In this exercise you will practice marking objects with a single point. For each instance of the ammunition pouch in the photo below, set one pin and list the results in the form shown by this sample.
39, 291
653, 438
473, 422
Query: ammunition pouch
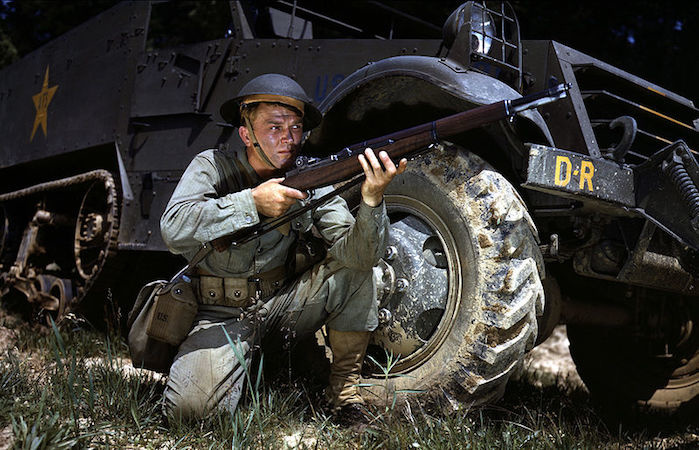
164, 311
240, 292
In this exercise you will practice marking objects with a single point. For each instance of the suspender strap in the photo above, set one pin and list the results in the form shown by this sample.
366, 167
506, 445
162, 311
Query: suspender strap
189, 269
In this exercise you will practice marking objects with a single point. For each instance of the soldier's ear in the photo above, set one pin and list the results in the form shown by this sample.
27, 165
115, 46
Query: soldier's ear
245, 136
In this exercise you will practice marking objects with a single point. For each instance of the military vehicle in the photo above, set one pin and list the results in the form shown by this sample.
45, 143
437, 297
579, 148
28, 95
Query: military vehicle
584, 212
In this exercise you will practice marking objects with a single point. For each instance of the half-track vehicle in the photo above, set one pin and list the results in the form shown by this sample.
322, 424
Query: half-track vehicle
584, 212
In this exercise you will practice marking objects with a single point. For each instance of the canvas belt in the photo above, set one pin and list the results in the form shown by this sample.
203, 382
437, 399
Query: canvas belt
239, 292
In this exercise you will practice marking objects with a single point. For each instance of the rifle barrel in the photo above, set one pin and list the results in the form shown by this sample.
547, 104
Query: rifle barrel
406, 141
399, 144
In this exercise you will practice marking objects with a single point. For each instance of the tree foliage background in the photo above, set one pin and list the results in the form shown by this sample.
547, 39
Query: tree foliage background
651, 39
656, 40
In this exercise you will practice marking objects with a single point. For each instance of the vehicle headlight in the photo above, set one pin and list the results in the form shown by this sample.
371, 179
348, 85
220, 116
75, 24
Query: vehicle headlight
481, 25
482, 30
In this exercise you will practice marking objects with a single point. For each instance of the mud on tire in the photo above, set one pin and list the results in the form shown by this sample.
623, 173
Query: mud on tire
494, 292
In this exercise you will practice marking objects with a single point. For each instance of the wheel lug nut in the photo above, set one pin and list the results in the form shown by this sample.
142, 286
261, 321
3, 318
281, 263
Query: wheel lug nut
391, 253
385, 316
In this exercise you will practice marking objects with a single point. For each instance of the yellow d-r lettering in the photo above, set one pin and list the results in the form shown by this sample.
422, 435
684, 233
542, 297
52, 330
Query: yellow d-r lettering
587, 170
561, 160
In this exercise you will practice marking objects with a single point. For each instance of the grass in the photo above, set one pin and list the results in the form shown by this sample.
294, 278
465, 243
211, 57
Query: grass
67, 387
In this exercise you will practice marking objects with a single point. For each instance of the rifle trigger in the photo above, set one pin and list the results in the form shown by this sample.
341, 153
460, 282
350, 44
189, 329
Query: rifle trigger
309, 196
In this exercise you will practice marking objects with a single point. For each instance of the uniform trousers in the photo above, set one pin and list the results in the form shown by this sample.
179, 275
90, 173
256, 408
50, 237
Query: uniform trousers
207, 373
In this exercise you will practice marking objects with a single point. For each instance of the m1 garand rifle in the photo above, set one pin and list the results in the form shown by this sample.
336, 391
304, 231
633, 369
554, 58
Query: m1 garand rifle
314, 173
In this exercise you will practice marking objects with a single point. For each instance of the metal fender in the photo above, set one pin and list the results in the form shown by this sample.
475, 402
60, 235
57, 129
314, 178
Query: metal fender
453, 88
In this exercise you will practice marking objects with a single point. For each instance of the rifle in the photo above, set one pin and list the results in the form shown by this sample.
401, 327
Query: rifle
313, 173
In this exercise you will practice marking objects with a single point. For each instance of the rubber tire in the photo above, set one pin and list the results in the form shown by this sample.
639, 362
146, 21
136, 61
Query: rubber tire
625, 379
498, 272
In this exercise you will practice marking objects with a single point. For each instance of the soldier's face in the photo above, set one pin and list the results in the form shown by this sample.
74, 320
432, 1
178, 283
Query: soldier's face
279, 131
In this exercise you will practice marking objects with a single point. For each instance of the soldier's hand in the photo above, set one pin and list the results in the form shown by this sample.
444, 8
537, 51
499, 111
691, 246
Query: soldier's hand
274, 199
377, 177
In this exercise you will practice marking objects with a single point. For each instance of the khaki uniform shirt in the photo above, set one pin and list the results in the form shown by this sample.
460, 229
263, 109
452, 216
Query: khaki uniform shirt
213, 199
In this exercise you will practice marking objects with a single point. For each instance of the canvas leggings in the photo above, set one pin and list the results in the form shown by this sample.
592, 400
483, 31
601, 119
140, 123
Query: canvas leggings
207, 372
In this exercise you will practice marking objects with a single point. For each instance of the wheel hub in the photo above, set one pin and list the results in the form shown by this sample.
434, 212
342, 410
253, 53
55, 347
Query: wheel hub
416, 293
92, 227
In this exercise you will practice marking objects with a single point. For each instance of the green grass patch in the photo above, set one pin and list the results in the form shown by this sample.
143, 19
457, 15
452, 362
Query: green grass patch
70, 387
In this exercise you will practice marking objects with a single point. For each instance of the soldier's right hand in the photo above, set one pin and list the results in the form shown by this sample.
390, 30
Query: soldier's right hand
273, 199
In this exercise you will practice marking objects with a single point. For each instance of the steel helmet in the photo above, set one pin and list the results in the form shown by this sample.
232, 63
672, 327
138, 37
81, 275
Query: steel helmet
272, 88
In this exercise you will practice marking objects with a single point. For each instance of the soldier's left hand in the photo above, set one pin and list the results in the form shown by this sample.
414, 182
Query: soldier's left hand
378, 177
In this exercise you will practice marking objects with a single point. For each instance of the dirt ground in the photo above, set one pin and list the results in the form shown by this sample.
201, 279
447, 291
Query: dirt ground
551, 362
7, 339
548, 364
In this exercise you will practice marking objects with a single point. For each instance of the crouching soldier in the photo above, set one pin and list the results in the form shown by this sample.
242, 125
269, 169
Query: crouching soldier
248, 289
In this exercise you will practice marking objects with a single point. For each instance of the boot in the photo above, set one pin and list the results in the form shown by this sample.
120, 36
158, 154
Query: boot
348, 348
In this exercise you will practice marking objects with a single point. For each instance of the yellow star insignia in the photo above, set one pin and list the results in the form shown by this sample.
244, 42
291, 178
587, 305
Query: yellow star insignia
41, 103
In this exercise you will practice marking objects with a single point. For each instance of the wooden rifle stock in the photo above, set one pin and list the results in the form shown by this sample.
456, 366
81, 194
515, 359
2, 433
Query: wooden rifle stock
345, 164
397, 145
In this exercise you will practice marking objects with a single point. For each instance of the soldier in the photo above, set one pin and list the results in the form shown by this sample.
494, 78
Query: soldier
249, 289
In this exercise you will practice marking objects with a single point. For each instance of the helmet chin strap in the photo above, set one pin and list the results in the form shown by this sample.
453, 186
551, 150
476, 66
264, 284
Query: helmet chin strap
256, 145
